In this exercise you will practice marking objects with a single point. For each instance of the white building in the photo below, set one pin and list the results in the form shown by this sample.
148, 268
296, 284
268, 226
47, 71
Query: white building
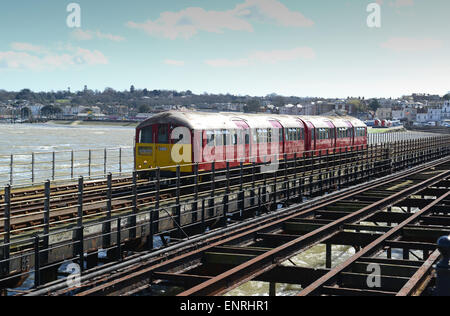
422, 117
291, 109
446, 110
434, 115
398, 114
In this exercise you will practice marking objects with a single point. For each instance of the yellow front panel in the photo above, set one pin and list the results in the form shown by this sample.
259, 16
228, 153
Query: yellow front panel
160, 155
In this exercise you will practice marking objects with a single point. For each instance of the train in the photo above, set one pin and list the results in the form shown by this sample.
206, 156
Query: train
186, 139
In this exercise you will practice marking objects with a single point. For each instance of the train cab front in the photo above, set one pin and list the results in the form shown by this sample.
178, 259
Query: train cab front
154, 148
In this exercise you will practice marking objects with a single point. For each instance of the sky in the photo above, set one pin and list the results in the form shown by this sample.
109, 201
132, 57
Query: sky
320, 48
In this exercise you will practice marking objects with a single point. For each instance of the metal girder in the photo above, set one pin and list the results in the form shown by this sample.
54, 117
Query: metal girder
264, 262
421, 278
332, 275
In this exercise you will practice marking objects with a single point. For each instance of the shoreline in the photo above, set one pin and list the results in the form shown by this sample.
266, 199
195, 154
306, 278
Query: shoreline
81, 123
93, 123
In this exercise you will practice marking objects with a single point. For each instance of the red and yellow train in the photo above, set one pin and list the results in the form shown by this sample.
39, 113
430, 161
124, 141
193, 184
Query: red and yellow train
185, 138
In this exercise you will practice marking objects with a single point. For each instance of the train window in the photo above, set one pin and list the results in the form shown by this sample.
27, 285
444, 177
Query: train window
219, 138
247, 138
234, 138
147, 135
226, 137
313, 134
210, 138
163, 134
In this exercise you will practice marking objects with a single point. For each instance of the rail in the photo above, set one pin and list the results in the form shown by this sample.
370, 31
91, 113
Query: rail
261, 250
93, 217
395, 136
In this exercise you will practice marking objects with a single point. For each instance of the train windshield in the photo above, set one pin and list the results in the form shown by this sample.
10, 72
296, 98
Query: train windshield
147, 135
163, 134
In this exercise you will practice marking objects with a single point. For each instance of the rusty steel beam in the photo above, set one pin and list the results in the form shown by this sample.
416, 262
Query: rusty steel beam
252, 268
141, 276
110, 287
421, 278
332, 275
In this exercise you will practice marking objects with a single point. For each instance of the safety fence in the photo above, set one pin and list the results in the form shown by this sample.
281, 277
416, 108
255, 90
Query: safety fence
37, 167
396, 136
42, 232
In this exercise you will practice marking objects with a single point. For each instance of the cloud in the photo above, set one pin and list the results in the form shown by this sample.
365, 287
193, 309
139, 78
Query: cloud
87, 35
25, 56
190, 21
265, 57
27, 47
405, 44
173, 62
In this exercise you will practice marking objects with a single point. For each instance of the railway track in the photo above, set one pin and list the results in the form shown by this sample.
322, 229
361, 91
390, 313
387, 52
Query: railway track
27, 208
407, 211
60, 219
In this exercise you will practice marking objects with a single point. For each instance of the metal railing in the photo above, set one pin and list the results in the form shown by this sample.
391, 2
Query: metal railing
36, 167
107, 216
396, 136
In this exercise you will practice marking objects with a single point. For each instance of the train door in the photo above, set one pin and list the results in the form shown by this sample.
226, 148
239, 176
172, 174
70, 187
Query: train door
310, 134
242, 149
350, 135
301, 145
145, 148
162, 143
332, 135
277, 140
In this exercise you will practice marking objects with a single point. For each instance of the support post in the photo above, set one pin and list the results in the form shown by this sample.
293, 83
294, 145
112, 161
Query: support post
7, 229
105, 161
133, 219
80, 201
37, 263
11, 170
272, 289
329, 254
107, 225
32, 168
53, 166
119, 239
46, 218
72, 163
178, 200
443, 268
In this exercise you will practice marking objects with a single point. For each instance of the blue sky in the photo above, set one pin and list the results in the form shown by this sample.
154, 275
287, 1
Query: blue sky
256, 47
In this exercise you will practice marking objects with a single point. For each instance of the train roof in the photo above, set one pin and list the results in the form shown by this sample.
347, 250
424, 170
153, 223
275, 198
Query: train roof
226, 120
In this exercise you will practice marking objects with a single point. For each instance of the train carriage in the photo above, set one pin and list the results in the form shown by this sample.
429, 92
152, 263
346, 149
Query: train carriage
184, 138
344, 134
360, 132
